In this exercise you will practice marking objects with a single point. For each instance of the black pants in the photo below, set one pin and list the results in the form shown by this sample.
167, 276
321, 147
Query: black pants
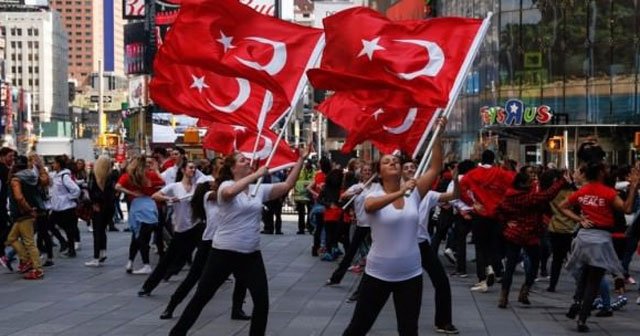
158, 233
272, 210
141, 243
444, 223
68, 221
407, 299
513, 258
199, 262
359, 236
248, 269
182, 244
303, 209
545, 252
5, 228
440, 281
587, 289
462, 228
100, 222
45, 243
560, 246
488, 238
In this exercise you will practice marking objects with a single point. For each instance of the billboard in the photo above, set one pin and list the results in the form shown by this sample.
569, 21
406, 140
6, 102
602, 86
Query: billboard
170, 128
134, 9
322, 9
138, 96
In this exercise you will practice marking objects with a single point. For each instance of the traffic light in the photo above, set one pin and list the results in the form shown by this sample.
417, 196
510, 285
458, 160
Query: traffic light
636, 141
555, 143
112, 140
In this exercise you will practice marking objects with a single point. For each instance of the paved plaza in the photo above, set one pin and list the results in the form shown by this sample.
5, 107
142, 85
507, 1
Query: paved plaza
75, 300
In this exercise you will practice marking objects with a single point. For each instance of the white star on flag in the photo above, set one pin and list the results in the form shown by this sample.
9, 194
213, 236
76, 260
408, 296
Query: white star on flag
226, 41
369, 47
514, 108
198, 83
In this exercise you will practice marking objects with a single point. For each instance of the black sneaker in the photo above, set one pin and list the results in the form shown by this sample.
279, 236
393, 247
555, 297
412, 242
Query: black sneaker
449, 329
48, 263
353, 298
604, 313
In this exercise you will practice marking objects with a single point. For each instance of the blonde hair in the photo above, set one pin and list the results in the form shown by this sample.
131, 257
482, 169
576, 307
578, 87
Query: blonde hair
101, 170
136, 170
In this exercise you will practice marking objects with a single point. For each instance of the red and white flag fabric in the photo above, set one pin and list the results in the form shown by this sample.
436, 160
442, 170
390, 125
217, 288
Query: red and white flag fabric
232, 39
228, 139
389, 129
203, 94
367, 51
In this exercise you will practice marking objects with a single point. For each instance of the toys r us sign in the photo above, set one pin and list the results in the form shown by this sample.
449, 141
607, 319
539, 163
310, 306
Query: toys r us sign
516, 113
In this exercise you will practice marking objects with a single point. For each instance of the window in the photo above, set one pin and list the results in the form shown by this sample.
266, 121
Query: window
30, 82
13, 32
36, 57
88, 10
13, 57
78, 10
78, 33
78, 63
36, 45
19, 31
20, 44
19, 57
30, 32
68, 10
19, 82
30, 69
36, 70
88, 33
68, 18
37, 84
29, 44
88, 25
78, 25
13, 44
78, 18
78, 41
68, 26
19, 69
78, 56
88, 18
78, 48
35, 31
30, 57
13, 70
83, 74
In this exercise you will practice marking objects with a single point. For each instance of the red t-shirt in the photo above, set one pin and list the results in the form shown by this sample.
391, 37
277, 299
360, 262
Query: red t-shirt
596, 202
166, 165
156, 182
319, 180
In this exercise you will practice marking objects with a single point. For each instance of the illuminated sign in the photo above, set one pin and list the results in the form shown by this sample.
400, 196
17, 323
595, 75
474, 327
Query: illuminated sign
515, 113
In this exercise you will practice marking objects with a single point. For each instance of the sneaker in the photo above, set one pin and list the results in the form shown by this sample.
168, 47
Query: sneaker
463, 275
604, 313
6, 263
449, 329
491, 276
48, 263
34, 274
353, 298
542, 278
481, 287
630, 280
327, 257
77, 246
146, 269
448, 253
129, 267
90, 228
24, 267
638, 300
93, 263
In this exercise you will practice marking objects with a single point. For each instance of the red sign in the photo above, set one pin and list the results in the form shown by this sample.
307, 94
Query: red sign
121, 151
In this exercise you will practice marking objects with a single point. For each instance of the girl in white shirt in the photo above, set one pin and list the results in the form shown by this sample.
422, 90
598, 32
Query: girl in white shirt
187, 233
394, 262
236, 242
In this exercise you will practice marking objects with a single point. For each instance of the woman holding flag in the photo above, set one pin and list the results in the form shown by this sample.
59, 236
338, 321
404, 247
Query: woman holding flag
236, 242
394, 261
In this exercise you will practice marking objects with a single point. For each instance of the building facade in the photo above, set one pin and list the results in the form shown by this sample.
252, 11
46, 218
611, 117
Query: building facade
36, 61
578, 59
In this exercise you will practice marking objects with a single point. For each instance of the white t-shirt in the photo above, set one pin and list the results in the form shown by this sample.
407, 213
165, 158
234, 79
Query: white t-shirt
181, 217
239, 226
211, 209
169, 175
429, 202
394, 253
358, 202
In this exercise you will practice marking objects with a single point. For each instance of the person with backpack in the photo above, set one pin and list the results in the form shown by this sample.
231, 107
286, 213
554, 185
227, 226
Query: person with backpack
64, 193
25, 202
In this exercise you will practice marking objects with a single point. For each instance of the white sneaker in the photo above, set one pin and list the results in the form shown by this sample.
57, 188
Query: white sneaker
90, 228
146, 269
129, 267
448, 253
491, 276
638, 300
480, 287
543, 278
77, 245
93, 263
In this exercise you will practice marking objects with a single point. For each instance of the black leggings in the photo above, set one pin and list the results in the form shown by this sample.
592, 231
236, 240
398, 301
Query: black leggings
199, 262
45, 243
359, 236
68, 221
440, 281
587, 289
100, 221
248, 269
513, 257
181, 245
462, 228
560, 246
407, 299
141, 243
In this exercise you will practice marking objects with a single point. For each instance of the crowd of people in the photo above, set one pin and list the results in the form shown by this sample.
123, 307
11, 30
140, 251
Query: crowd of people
381, 219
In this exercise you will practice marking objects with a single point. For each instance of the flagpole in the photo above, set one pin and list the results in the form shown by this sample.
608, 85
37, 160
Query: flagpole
313, 60
366, 184
267, 104
455, 92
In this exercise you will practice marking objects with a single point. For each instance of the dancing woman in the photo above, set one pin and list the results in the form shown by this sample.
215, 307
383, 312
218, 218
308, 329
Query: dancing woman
204, 208
394, 261
102, 193
236, 242
592, 251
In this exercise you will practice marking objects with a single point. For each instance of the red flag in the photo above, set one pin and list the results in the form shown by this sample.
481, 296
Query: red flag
203, 94
232, 39
388, 128
227, 139
365, 50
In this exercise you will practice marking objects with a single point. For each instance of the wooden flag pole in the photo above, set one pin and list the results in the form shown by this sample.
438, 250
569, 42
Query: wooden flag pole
366, 184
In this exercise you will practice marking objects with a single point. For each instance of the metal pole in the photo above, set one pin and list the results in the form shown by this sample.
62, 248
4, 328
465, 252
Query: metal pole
101, 120
565, 145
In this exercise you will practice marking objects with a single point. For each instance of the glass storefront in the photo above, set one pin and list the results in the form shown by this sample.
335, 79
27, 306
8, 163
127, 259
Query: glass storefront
580, 57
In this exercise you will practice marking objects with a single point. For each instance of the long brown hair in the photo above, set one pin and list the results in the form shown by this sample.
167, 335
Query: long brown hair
136, 170
225, 172
101, 170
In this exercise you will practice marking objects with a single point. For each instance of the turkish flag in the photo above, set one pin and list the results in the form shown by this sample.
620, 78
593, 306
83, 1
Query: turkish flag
388, 128
190, 90
232, 39
366, 50
227, 139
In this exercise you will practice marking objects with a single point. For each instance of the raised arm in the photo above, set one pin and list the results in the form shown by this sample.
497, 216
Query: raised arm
280, 189
232, 191
626, 206
425, 181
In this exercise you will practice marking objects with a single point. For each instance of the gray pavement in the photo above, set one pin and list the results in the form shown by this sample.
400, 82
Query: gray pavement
76, 300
